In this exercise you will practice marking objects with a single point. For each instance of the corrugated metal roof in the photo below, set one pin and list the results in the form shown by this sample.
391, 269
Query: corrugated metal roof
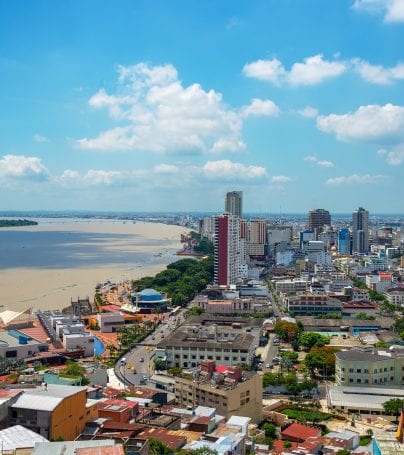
28, 401
18, 437
68, 447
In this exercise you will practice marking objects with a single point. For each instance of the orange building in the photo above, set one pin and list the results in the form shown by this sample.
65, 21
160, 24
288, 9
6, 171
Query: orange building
53, 411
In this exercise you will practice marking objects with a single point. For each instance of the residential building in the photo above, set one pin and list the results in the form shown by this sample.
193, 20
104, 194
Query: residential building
229, 341
234, 203
360, 231
110, 322
370, 367
278, 233
53, 411
227, 249
297, 432
307, 303
232, 391
395, 295
18, 440
318, 218
15, 345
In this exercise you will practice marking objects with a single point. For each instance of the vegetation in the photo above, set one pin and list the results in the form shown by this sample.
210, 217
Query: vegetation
159, 364
287, 444
321, 361
13, 223
158, 448
203, 245
306, 415
293, 356
8, 365
364, 316
288, 331
343, 452
74, 369
182, 279
175, 371
394, 406
312, 339
364, 440
270, 430
289, 381
194, 311
329, 316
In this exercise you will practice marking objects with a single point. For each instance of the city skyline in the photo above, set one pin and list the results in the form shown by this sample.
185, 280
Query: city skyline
123, 106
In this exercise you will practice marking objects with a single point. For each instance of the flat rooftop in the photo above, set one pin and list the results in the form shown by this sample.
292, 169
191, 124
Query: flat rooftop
11, 339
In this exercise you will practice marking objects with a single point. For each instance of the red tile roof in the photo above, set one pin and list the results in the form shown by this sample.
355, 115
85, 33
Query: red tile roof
299, 431
278, 446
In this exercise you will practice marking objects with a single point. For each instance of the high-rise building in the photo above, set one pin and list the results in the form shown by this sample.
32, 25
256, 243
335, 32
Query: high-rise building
258, 232
227, 249
344, 241
318, 218
234, 203
360, 231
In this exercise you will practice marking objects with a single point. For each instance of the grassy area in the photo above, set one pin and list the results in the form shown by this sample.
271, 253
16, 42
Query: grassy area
306, 415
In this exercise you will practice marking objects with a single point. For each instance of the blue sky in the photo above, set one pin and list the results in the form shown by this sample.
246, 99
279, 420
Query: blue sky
163, 106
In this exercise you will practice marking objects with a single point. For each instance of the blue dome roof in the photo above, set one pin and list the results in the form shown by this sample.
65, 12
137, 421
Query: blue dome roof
149, 291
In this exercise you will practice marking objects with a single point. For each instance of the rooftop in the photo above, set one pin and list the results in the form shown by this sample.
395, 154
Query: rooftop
368, 355
19, 437
299, 431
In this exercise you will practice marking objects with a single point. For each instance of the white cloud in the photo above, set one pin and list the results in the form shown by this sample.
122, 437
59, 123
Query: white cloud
22, 167
261, 107
281, 179
356, 179
158, 113
228, 170
321, 163
166, 169
92, 177
308, 112
266, 70
40, 138
395, 156
378, 74
393, 10
313, 70
369, 124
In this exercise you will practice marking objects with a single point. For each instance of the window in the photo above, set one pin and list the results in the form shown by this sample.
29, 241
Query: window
351, 370
201, 357
366, 381
343, 369
358, 370
350, 380
366, 370
358, 381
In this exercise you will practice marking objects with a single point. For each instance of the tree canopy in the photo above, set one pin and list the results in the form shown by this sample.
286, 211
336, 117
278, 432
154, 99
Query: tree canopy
312, 339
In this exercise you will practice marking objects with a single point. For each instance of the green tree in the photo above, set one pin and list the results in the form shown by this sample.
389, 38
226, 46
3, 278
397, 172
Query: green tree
343, 452
270, 430
159, 364
310, 339
364, 316
321, 360
175, 371
394, 406
287, 444
158, 448
288, 331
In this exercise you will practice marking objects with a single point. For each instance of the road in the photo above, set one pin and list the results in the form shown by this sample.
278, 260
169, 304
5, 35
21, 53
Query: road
134, 369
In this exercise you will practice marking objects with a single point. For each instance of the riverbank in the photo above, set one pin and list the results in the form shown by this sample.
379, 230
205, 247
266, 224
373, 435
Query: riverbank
55, 261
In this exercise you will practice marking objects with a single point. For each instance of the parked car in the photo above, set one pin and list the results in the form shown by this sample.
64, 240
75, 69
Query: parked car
141, 359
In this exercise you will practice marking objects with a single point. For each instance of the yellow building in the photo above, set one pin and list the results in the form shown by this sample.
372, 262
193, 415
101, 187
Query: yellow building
370, 367
53, 411
230, 397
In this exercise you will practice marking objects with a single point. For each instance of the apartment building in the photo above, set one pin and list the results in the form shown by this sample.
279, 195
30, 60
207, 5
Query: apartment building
370, 367
307, 303
228, 341
395, 296
232, 391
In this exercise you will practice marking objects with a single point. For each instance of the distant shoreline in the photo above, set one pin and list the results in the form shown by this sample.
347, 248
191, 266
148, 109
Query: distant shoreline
69, 258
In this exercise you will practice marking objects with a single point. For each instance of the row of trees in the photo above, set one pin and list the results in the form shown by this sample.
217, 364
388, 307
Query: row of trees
289, 381
182, 279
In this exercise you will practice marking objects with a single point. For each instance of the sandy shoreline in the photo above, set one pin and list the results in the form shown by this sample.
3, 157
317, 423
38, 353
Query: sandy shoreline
52, 288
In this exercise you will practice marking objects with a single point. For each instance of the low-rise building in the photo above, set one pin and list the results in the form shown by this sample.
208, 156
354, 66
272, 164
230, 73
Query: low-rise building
395, 295
307, 303
232, 391
354, 308
110, 322
53, 411
229, 341
370, 367
15, 345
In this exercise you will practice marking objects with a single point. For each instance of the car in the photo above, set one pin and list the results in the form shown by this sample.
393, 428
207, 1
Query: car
268, 365
123, 361
141, 359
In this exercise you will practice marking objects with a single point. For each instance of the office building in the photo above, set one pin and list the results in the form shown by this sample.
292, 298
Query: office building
318, 218
279, 234
344, 241
227, 249
304, 303
230, 390
370, 367
234, 203
360, 231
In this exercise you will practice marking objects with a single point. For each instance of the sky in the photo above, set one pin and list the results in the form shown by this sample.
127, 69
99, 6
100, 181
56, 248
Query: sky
152, 105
